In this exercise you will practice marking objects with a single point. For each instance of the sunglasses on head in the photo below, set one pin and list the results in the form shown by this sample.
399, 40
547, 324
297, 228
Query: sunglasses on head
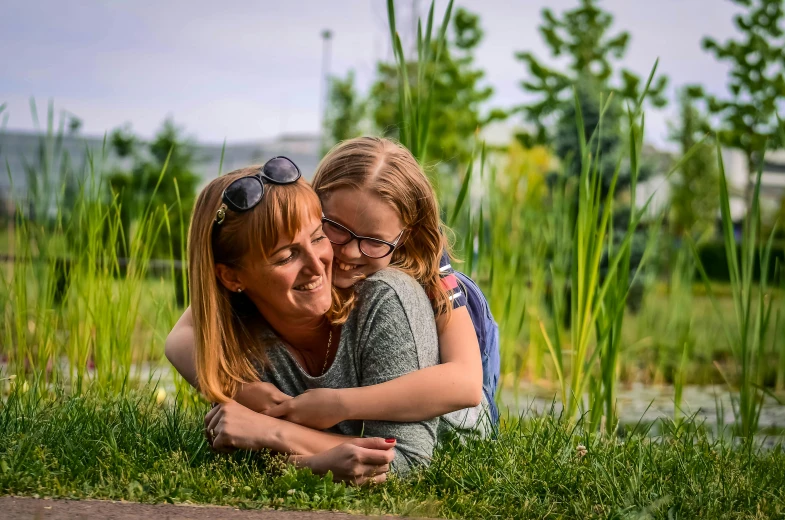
246, 192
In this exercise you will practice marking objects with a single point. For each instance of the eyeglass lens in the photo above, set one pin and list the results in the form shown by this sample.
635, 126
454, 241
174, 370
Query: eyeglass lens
370, 247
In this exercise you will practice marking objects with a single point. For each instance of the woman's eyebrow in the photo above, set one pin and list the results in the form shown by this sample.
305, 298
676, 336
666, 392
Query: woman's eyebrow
287, 246
294, 244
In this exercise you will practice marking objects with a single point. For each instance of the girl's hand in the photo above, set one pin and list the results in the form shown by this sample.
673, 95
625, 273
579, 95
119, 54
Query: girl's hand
260, 397
319, 408
357, 462
231, 426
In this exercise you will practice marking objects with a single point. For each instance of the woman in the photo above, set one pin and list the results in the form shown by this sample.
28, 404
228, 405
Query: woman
262, 305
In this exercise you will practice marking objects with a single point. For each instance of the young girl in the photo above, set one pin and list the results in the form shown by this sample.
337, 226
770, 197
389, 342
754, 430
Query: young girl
380, 211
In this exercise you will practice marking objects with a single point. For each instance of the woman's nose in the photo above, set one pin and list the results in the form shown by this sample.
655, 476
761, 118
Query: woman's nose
312, 262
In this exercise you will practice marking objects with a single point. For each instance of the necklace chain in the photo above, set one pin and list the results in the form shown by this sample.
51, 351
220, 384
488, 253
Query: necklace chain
327, 354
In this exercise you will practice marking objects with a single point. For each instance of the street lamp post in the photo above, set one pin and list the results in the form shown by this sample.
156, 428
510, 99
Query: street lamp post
324, 91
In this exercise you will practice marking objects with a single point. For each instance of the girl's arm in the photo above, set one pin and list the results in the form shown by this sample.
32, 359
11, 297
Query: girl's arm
180, 350
454, 384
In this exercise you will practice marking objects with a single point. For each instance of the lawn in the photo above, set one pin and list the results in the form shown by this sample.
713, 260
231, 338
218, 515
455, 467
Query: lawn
130, 447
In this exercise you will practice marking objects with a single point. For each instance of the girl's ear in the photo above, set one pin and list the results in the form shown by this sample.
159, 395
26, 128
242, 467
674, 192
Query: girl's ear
228, 277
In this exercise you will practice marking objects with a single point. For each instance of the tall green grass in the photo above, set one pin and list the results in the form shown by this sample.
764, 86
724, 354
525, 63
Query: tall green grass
558, 284
74, 311
752, 302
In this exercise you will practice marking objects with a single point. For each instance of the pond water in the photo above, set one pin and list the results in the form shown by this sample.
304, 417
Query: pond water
711, 405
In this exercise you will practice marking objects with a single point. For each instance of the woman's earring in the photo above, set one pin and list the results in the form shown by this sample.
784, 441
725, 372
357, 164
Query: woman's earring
240, 289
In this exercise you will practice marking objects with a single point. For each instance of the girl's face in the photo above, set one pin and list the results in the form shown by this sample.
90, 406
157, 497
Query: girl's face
295, 281
365, 214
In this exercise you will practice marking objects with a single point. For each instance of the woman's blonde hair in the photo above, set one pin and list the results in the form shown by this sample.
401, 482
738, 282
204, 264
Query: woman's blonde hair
389, 170
229, 345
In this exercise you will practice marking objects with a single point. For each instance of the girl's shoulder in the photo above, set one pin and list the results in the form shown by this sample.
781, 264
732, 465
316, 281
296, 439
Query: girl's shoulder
394, 293
391, 279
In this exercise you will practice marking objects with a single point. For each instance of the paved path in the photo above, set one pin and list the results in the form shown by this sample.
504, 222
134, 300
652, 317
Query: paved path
42, 509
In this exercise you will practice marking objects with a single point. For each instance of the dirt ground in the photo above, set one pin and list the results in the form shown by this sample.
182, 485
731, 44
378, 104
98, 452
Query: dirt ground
44, 509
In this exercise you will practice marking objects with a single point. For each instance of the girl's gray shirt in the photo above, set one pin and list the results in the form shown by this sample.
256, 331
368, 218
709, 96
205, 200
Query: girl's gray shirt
390, 332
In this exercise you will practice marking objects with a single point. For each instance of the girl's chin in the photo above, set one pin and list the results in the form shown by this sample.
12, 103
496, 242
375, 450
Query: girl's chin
343, 279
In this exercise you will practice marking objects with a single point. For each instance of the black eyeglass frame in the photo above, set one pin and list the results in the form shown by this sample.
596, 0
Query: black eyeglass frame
359, 238
261, 177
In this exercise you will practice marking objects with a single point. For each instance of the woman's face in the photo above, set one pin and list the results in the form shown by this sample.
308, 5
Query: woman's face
295, 281
365, 214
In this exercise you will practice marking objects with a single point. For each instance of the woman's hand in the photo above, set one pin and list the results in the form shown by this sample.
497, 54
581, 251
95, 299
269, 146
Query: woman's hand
357, 462
319, 408
232, 426
260, 397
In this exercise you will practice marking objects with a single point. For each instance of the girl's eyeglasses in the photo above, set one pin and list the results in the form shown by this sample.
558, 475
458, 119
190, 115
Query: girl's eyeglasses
245, 193
369, 246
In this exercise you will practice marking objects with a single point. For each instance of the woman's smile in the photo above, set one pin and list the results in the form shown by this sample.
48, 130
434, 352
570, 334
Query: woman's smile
312, 285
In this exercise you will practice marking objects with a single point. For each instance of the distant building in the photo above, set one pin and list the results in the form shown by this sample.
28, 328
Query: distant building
33, 159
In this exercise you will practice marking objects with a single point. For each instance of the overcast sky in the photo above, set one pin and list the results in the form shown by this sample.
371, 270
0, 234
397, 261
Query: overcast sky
245, 70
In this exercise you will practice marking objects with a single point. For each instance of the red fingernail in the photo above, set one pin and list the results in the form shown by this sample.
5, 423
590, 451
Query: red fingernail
389, 440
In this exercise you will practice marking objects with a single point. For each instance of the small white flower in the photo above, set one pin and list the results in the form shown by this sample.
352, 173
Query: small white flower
290, 492
582, 451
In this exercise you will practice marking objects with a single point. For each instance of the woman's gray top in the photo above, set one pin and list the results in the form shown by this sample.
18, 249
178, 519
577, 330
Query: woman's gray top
390, 332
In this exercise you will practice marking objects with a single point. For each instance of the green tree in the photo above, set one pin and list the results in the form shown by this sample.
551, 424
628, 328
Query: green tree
694, 189
456, 97
345, 110
606, 144
580, 34
140, 187
756, 81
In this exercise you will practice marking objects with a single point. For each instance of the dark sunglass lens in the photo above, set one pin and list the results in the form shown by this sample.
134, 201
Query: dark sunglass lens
244, 193
374, 249
281, 170
335, 234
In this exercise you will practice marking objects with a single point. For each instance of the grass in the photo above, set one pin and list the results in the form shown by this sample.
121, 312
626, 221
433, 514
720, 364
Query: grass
128, 447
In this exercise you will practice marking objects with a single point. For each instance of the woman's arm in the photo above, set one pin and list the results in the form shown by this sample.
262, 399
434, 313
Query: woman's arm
180, 350
454, 384
357, 461
232, 425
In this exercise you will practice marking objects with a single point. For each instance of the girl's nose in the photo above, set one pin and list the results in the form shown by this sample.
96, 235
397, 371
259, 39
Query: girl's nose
351, 249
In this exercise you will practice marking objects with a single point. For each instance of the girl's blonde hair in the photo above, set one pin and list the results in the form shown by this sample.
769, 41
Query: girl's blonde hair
389, 170
229, 345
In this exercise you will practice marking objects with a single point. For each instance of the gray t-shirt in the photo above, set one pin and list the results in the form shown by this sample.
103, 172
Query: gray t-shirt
390, 332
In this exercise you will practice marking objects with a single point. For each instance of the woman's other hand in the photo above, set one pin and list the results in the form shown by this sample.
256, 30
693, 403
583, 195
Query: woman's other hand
260, 397
319, 408
357, 461
230, 426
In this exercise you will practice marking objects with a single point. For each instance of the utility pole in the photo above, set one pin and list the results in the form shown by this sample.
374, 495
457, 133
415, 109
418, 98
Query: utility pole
324, 91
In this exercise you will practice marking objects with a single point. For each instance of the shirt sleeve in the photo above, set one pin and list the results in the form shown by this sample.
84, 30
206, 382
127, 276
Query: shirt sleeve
450, 282
392, 345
